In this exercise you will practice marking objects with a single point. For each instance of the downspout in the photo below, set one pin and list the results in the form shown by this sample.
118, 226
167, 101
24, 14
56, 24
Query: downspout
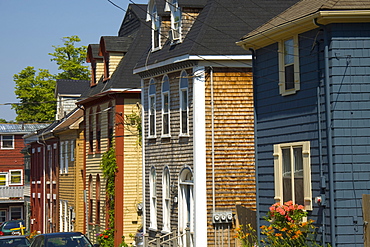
213, 143
255, 141
143, 217
329, 133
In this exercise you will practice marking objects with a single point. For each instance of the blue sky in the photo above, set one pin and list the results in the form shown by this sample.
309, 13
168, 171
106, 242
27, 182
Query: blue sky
29, 29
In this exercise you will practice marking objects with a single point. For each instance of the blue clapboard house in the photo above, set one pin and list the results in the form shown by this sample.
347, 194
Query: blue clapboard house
312, 115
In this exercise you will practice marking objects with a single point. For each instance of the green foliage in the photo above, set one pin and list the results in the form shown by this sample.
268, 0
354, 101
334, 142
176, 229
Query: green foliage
2, 120
287, 228
70, 60
109, 168
133, 121
36, 94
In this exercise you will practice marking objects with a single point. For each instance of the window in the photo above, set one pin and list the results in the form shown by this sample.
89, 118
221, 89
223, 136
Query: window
97, 191
152, 108
3, 179
16, 213
72, 150
2, 215
153, 198
110, 125
91, 132
165, 106
7, 142
91, 199
184, 107
289, 66
156, 29
175, 21
15, 177
292, 166
98, 130
66, 159
186, 204
62, 162
166, 199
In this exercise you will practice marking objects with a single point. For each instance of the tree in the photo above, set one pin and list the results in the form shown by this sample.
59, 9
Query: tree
70, 60
36, 90
36, 94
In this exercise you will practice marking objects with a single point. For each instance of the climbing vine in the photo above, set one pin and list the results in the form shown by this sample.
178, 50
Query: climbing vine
133, 122
109, 168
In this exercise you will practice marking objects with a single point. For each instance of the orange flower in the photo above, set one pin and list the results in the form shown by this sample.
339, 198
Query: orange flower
105, 236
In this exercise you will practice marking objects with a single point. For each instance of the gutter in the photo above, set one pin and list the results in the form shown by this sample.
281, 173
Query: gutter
329, 134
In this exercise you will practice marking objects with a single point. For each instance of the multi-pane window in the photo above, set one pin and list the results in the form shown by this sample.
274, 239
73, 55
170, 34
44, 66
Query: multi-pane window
91, 132
91, 200
153, 198
184, 104
3, 179
62, 157
175, 20
156, 28
16, 212
289, 66
152, 106
7, 141
110, 125
97, 191
166, 199
293, 173
15, 177
2, 215
98, 130
165, 106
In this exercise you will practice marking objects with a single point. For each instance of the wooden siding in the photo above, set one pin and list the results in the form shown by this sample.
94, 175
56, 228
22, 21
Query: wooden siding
233, 146
12, 158
175, 152
295, 118
132, 175
188, 17
114, 59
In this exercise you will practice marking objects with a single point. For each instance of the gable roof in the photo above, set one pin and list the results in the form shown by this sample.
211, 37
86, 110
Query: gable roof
305, 11
123, 78
71, 87
212, 35
93, 53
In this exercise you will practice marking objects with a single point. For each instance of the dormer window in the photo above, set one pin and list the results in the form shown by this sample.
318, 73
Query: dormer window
175, 21
156, 29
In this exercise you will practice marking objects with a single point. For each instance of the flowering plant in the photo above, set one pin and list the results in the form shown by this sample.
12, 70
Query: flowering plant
106, 238
288, 228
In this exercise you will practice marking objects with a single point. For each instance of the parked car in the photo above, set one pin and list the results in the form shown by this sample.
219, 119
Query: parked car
62, 239
14, 241
12, 227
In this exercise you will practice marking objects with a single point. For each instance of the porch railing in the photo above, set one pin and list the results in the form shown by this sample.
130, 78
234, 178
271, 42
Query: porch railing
7, 192
168, 240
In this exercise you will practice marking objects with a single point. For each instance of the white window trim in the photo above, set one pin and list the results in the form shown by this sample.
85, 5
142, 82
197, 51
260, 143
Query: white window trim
173, 7
3, 140
281, 52
166, 200
153, 199
182, 134
151, 98
155, 21
66, 157
10, 211
61, 162
166, 93
6, 178
278, 172
10, 177
72, 150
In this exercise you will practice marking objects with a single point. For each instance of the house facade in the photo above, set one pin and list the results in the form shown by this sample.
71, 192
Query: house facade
113, 96
198, 133
311, 73
14, 175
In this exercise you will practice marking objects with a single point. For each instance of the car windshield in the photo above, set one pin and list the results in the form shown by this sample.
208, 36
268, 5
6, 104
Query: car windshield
12, 242
70, 241
11, 225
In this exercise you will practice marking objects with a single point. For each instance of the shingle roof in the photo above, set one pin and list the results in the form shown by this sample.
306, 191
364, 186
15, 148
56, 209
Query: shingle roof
71, 86
114, 44
309, 7
123, 76
93, 53
219, 25
20, 128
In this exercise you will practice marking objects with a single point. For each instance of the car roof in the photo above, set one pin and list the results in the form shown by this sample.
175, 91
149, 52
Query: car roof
61, 234
13, 236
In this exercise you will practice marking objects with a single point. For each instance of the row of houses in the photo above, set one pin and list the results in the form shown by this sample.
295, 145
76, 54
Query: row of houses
210, 129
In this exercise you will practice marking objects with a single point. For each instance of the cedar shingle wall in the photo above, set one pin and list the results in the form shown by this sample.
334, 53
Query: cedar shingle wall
233, 145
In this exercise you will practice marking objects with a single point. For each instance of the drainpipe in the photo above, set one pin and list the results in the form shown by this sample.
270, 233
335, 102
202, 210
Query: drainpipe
143, 217
329, 133
213, 143
255, 141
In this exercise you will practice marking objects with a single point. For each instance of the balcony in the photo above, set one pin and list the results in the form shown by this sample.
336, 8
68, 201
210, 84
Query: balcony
7, 192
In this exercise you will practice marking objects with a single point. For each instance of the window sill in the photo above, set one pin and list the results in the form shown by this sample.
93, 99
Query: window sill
166, 136
156, 49
153, 229
151, 137
184, 135
164, 231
